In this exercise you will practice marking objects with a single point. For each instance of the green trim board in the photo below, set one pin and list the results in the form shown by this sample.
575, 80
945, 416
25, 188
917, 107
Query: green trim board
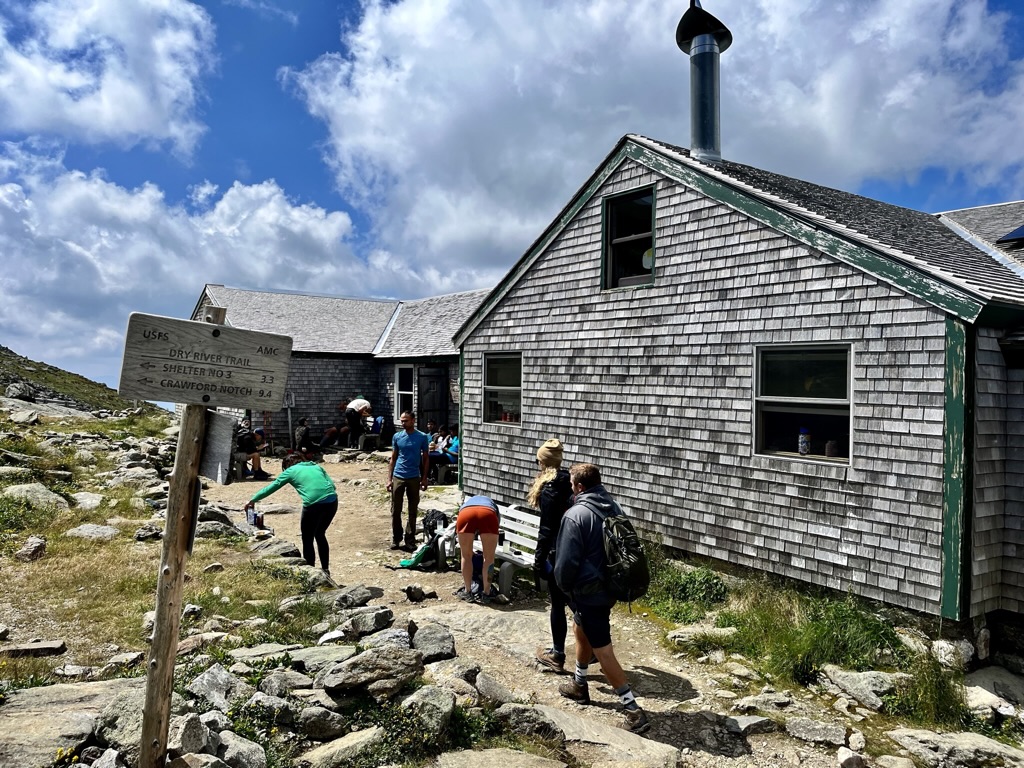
954, 466
914, 282
462, 409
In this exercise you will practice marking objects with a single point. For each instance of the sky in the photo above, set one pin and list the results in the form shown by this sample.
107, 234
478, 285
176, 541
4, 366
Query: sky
410, 148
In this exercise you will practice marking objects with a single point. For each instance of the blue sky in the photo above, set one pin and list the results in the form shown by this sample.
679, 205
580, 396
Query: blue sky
417, 147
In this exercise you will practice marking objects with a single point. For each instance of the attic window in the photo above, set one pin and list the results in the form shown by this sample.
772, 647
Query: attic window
1015, 238
629, 239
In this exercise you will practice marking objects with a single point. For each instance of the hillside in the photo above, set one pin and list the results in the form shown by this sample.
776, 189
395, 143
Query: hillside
56, 386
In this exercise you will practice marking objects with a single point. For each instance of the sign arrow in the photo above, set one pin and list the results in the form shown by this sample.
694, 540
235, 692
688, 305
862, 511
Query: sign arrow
148, 365
145, 381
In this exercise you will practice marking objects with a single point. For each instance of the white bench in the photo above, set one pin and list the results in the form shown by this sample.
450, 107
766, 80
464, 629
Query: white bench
517, 537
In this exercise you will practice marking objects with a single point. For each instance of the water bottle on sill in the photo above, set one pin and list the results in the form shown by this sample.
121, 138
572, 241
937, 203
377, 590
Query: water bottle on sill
804, 442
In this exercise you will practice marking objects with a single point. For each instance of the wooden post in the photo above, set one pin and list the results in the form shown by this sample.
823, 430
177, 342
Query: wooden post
171, 581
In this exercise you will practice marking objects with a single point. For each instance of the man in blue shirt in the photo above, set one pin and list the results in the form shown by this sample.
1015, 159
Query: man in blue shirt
407, 475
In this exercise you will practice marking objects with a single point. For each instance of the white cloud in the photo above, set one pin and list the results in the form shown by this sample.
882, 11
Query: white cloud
462, 128
81, 253
265, 9
91, 71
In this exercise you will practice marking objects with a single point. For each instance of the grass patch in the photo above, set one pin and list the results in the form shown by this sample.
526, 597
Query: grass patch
678, 595
145, 425
933, 696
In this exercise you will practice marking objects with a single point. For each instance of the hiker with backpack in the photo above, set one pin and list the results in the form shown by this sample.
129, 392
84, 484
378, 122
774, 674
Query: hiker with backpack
592, 583
551, 494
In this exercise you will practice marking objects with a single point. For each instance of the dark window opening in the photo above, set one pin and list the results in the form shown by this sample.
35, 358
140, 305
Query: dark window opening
629, 244
503, 392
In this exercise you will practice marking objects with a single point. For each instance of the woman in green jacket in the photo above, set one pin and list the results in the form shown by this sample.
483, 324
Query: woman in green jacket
319, 504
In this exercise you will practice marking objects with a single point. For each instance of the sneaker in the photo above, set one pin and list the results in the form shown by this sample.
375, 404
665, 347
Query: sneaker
575, 691
547, 657
261, 475
636, 721
464, 596
396, 545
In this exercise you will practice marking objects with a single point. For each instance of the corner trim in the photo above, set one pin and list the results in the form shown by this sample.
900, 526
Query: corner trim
953, 478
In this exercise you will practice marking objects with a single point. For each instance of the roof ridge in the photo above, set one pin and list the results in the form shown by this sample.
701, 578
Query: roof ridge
978, 207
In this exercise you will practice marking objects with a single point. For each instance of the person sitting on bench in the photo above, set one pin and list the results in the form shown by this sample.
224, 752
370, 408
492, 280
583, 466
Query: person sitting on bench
251, 443
448, 452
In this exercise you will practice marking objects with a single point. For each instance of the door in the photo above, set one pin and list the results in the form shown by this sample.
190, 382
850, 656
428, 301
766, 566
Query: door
433, 397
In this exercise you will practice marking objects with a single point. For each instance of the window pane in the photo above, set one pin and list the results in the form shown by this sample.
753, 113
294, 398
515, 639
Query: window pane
630, 214
405, 379
828, 432
504, 372
628, 259
804, 373
404, 402
502, 405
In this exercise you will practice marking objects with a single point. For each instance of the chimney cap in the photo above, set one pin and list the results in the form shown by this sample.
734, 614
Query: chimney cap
696, 22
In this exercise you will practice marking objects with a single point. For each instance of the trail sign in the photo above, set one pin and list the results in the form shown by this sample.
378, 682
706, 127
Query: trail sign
183, 361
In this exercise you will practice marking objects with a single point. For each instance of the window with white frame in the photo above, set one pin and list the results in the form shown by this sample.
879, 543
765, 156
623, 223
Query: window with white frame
629, 239
803, 402
403, 389
503, 387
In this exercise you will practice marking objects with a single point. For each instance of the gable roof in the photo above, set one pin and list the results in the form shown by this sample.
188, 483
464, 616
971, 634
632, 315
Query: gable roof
334, 324
424, 328
912, 250
986, 225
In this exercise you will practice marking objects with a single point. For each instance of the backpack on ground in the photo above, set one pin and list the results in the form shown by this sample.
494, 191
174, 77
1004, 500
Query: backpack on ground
628, 575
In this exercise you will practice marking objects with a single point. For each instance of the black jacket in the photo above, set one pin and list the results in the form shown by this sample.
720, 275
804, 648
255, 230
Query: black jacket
580, 561
555, 499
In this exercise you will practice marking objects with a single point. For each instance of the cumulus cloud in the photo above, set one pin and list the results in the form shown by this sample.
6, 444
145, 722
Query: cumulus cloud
82, 252
462, 128
92, 71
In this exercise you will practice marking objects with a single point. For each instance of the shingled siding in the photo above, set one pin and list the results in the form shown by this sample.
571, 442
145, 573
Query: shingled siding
1013, 548
655, 386
319, 383
387, 384
989, 474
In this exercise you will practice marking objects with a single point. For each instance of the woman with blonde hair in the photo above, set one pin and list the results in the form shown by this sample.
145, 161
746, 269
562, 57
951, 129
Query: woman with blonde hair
551, 494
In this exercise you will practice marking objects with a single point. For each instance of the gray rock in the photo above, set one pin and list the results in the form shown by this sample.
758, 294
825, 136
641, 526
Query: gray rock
209, 514
433, 707
85, 458
614, 743
353, 596
458, 668
435, 642
955, 654
368, 623
393, 637
36, 494
415, 593
271, 708
493, 692
766, 702
281, 682
240, 753
816, 731
956, 750
275, 548
110, 758
736, 669
315, 659
86, 501
219, 687
27, 418
20, 390
502, 757
191, 611
33, 549
148, 532
382, 672
36, 722
197, 761
847, 758
93, 532
216, 721
342, 750
214, 568
865, 687
321, 724
15, 474
119, 725
891, 761
525, 720
263, 651
856, 741
686, 635
999, 682
747, 725
187, 734
4, 631
211, 529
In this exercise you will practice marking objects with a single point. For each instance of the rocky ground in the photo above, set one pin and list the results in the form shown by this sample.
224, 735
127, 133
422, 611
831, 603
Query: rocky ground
710, 712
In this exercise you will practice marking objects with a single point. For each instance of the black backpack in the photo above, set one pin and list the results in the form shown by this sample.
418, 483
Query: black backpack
628, 576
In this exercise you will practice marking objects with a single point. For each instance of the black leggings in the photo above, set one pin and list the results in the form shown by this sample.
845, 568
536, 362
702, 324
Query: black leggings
559, 626
313, 525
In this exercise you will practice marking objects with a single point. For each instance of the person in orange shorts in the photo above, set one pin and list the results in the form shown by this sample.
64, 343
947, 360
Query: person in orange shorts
477, 515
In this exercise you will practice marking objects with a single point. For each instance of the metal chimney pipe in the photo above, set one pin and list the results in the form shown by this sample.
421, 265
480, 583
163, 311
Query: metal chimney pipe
704, 38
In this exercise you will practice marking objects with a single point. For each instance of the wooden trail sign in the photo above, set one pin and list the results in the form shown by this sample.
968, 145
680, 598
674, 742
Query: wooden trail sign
183, 361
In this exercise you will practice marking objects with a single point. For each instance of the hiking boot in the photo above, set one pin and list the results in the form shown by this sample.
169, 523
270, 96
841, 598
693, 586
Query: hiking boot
554, 661
396, 545
636, 721
579, 693
261, 475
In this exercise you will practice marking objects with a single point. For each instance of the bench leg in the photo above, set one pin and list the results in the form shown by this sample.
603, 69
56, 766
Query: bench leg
505, 575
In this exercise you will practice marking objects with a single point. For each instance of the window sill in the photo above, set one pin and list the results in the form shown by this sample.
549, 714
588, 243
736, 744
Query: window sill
507, 424
837, 469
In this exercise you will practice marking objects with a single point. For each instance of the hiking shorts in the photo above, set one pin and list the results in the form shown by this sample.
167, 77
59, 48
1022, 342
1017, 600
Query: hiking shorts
595, 621
477, 519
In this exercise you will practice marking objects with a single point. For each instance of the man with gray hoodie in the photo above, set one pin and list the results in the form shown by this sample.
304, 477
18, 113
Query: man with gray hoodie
580, 565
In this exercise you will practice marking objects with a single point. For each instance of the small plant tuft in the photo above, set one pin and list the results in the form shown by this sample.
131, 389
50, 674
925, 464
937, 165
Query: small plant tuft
679, 595
933, 695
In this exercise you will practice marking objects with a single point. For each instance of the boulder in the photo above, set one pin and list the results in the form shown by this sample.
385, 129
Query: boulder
614, 743
321, 724
525, 720
216, 721
33, 549
25, 417
315, 659
393, 637
342, 750
502, 757
197, 761
36, 494
491, 691
847, 758
956, 750
435, 642
866, 687
271, 708
433, 707
262, 651
690, 633
816, 731
275, 548
93, 532
110, 758
219, 687
119, 725
282, 682
211, 529
187, 734
352, 597
382, 672
86, 501
956, 654
239, 752
20, 390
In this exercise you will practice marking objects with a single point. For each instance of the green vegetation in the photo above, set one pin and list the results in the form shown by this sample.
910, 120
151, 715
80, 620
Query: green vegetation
934, 695
679, 595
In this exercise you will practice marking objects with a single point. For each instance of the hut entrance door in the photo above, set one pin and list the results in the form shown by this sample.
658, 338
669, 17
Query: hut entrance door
433, 397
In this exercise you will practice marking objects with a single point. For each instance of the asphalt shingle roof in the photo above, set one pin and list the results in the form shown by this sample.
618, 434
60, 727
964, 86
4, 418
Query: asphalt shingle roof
425, 328
991, 222
930, 245
315, 323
